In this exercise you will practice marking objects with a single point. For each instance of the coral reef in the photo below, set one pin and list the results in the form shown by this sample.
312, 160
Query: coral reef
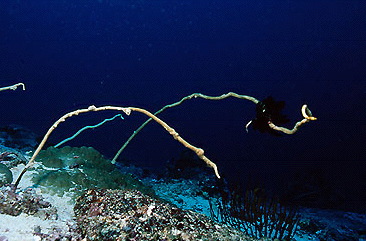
25, 201
131, 215
78, 168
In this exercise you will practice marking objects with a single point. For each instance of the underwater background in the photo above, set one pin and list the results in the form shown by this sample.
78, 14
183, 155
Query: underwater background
72, 54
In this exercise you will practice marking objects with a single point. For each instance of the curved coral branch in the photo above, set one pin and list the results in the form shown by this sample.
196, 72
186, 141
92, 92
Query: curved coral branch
306, 113
127, 111
191, 96
13, 87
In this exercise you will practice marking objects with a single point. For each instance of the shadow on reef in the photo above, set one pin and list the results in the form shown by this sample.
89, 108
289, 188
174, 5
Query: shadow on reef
186, 165
310, 188
18, 137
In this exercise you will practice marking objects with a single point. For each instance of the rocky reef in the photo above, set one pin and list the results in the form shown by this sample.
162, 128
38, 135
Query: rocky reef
131, 215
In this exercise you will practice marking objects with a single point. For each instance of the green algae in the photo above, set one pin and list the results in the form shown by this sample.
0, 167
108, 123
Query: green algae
5, 175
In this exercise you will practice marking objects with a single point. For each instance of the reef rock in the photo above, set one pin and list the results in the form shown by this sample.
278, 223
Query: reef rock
130, 215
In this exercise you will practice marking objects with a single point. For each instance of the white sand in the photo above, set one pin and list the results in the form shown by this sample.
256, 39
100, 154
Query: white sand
22, 227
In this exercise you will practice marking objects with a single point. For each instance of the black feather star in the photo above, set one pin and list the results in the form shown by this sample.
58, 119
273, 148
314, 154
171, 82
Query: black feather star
269, 110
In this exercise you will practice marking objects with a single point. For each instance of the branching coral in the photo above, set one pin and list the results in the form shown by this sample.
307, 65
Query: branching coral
255, 213
268, 115
13, 87
127, 111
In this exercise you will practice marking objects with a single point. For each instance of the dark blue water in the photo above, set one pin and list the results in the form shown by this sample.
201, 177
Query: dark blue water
72, 54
